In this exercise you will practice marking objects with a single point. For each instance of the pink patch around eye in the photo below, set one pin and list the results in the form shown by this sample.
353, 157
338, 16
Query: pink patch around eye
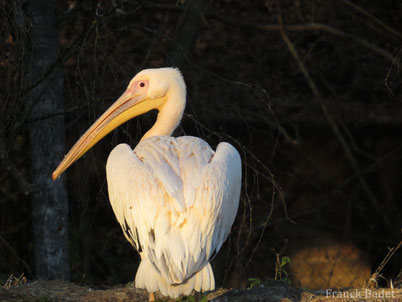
138, 86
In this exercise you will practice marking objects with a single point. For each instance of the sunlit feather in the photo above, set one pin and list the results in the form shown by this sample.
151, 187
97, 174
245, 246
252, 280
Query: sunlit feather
175, 198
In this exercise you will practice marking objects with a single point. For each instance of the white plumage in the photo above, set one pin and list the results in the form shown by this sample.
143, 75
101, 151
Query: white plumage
183, 200
175, 198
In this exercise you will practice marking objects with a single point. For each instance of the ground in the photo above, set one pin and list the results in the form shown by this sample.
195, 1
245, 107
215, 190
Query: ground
41, 291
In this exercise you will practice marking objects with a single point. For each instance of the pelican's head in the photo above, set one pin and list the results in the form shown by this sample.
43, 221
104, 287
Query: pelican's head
160, 88
157, 83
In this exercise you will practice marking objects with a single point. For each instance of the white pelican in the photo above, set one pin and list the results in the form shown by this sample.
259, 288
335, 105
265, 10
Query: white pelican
175, 198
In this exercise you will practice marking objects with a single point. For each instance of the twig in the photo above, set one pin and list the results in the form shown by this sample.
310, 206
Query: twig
26, 187
372, 282
378, 22
14, 281
331, 121
12, 251
290, 28
322, 28
188, 28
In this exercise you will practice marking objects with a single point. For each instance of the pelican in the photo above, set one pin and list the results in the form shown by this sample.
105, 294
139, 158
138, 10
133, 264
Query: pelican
175, 198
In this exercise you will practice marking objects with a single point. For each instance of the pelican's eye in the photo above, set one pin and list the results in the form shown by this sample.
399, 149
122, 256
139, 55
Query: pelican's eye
139, 86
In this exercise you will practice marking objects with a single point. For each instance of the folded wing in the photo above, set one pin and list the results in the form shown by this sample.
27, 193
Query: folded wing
176, 200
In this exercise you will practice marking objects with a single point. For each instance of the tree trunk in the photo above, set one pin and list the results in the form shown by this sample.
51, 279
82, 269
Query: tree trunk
49, 203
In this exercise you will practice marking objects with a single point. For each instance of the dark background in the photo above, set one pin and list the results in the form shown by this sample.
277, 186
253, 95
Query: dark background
313, 106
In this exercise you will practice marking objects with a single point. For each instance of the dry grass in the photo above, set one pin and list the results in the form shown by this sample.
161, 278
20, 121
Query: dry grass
269, 292
14, 281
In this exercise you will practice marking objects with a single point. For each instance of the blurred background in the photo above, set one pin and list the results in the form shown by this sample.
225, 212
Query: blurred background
308, 91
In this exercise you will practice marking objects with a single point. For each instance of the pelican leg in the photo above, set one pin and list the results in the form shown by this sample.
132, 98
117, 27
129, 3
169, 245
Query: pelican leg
151, 297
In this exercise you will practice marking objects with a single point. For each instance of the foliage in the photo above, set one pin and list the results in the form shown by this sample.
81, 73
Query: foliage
254, 282
191, 299
280, 271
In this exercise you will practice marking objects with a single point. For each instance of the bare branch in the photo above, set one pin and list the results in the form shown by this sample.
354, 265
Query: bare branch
378, 22
348, 153
26, 187
316, 27
12, 251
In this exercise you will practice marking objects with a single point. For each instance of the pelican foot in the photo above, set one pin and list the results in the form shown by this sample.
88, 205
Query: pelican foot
197, 296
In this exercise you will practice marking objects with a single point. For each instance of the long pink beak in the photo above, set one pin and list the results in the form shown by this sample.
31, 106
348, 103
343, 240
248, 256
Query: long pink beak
125, 108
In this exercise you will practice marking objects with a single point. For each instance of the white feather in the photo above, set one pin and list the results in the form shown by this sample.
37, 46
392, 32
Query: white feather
175, 198
177, 252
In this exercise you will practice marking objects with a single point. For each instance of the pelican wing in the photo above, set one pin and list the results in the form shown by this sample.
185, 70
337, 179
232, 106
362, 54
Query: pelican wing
175, 199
